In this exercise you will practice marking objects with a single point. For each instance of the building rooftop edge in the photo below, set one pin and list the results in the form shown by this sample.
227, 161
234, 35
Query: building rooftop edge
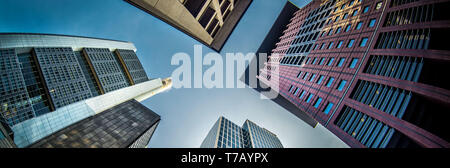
49, 34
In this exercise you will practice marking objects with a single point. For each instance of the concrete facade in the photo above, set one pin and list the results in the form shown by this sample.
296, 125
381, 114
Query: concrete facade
210, 22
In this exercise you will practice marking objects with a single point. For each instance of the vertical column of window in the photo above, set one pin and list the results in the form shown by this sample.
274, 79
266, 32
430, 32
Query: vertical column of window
370, 65
345, 118
353, 123
380, 41
384, 98
405, 69
362, 86
388, 68
379, 64
399, 39
390, 40
388, 21
395, 97
392, 70
370, 94
370, 132
381, 97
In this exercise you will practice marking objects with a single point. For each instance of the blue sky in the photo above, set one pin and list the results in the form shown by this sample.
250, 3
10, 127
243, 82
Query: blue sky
187, 114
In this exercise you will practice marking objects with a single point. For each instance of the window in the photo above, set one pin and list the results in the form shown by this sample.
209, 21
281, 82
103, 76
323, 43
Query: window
338, 30
299, 74
318, 101
330, 62
314, 61
355, 12
317, 47
301, 94
341, 85
348, 28
378, 6
312, 77
322, 46
337, 18
359, 25
350, 43
330, 82
341, 62
343, 6
340, 44
328, 108
306, 75
351, 3
330, 32
309, 98
322, 61
331, 45
296, 91
372, 22
353, 64
290, 89
320, 79
363, 42
345, 16
366, 9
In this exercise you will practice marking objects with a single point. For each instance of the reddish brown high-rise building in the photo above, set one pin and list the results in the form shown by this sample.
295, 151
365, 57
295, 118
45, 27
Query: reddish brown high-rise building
372, 72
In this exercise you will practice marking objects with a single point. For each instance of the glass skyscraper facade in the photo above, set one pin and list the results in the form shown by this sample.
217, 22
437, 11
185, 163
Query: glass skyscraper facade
369, 71
226, 134
127, 125
52, 81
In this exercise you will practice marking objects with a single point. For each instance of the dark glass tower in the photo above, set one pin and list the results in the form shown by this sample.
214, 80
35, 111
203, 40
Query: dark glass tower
51, 81
127, 125
369, 71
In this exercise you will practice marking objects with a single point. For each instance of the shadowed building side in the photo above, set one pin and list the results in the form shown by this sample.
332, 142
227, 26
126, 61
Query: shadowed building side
210, 22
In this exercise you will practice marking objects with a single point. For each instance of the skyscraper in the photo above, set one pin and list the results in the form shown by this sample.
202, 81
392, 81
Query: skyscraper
210, 22
127, 125
367, 70
52, 81
226, 134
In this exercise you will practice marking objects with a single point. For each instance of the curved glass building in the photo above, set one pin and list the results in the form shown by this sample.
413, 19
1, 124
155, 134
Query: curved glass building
52, 81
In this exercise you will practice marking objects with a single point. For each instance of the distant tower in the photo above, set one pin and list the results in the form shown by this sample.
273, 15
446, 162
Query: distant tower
226, 134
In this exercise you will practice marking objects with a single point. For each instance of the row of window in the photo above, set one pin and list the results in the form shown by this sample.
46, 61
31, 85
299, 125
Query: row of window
391, 100
311, 77
298, 60
348, 28
306, 38
404, 39
310, 97
300, 49
409, 16
53, 50
368, 131
355, 12
349, 44
399, 67
418, 14
314, 19
401, 2
322, 8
